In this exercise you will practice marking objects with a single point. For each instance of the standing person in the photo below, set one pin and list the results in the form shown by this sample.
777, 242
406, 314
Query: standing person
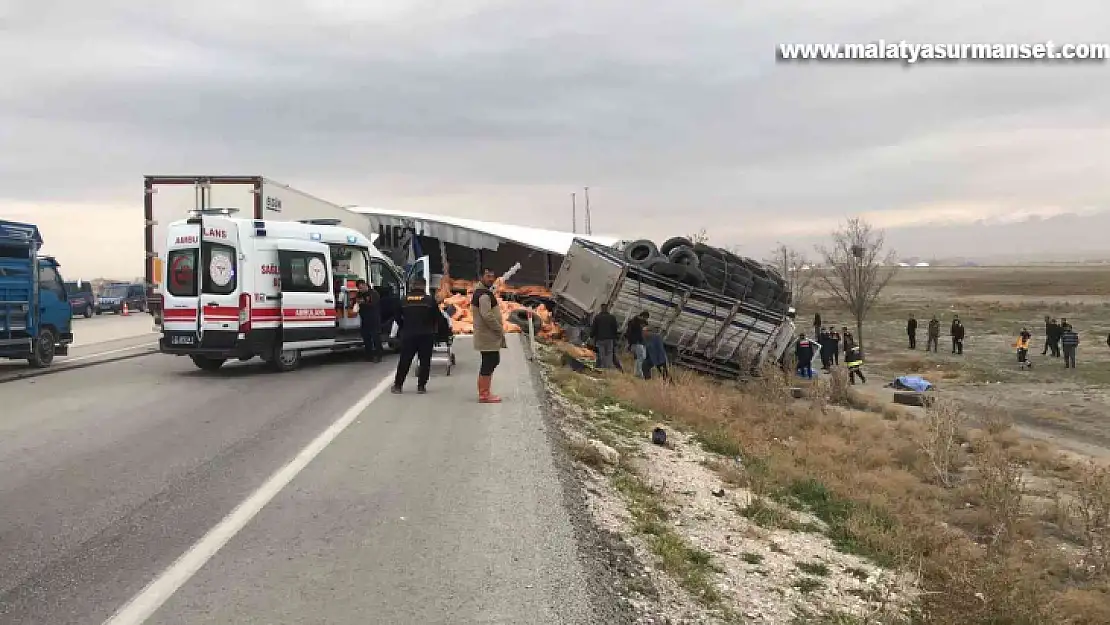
1070, 342
816, 324
957, 332
911, 331
849, 341
803, 350
420, 321
370, 320
604, 331
1047, 335
823, 343
854, 360
933, 341
489, 334
634, 333
834, 343
656, 354
1054, 338
1022, 345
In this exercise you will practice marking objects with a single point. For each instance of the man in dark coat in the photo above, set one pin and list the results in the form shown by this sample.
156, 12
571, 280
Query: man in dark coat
957, 332
823, 341
911, 331
420, 322
370, 320
834, 343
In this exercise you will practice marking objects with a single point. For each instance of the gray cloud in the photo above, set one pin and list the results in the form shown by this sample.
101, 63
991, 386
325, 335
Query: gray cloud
676, 114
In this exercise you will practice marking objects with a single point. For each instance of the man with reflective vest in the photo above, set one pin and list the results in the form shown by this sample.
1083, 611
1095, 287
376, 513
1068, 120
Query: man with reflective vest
419, 321
854, 360
489, 334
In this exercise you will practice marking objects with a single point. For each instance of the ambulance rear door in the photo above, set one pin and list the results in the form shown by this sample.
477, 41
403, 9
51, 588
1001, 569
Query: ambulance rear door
220, 304
307, 298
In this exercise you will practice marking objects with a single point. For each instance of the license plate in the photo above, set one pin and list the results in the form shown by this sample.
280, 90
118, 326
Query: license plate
183, 340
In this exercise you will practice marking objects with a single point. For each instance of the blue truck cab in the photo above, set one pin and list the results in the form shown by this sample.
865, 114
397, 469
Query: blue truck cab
35, 314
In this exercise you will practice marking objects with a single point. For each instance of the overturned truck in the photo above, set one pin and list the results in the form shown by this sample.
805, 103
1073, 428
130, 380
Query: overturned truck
723, 328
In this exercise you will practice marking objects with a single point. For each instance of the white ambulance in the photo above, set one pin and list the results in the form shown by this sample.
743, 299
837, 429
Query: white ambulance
241, 288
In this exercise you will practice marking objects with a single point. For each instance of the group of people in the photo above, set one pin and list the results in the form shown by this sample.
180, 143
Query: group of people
828, 347
956, 332
421, 324
1060, 338
646, 345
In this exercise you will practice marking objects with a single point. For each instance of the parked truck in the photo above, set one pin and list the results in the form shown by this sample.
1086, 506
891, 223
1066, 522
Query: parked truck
35, 314
172, 198
707, 331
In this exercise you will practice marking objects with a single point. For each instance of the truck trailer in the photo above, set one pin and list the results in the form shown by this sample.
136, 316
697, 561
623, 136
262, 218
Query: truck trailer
173, 198
704, 330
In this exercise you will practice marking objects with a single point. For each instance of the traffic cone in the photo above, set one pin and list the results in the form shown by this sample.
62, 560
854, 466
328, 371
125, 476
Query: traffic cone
126, 311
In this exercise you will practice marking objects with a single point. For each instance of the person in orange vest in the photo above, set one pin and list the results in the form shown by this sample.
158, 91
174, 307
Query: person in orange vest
1022, 346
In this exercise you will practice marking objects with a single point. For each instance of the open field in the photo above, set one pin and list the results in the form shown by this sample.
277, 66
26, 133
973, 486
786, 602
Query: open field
1072, 407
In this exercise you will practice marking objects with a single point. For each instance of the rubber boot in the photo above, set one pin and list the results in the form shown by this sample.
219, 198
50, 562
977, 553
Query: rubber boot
484, 395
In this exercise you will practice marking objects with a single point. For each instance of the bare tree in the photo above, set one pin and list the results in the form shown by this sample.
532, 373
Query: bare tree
857, 269
701, 236
795, 269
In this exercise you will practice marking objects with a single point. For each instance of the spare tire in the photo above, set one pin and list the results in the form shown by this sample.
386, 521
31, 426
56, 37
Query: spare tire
683, 255
694, 277
640, 252
674, 242
673, 271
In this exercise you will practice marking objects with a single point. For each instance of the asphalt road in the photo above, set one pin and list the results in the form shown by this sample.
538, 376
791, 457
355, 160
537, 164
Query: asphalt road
147, 488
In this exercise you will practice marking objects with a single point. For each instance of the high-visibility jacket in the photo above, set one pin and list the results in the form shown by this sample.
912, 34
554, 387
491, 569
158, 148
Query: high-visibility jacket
854, 357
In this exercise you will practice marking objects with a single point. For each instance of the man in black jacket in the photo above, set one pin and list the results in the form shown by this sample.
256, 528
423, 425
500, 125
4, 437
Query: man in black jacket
605, 331
420, 321
911, 331
958, 332
370, 320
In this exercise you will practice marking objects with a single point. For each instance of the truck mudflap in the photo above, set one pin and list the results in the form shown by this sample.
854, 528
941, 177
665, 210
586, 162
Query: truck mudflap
227, 345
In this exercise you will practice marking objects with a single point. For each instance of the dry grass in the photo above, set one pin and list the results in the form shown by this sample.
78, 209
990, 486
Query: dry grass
928, 496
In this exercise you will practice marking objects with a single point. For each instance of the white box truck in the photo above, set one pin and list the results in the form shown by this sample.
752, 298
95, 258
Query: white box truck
171, 198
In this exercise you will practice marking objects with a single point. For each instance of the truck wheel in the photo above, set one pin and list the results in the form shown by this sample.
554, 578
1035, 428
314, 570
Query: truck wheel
88, 311
205, 363
283, 360
42, 350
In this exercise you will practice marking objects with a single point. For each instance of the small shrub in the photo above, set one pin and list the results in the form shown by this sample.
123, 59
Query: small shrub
943, 430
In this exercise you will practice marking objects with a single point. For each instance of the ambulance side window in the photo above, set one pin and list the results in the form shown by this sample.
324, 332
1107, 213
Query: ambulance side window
295, 272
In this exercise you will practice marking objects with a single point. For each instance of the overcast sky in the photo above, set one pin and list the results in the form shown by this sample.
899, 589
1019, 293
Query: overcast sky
676, 114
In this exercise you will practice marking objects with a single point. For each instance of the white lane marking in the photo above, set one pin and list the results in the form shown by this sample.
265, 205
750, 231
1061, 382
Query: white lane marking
107, 353
158, 591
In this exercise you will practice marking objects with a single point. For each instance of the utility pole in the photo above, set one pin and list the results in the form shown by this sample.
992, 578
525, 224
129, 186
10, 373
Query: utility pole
573, 215
589, 226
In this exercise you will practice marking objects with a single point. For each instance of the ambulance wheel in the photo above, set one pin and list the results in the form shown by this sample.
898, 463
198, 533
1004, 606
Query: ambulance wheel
42, 353
204, 363
285, 359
